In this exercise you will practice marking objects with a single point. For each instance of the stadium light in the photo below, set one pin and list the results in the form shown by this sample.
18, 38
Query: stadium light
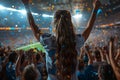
35, 14
15, 10
77, 16
45, 15
50, 16
2, 7
23, 11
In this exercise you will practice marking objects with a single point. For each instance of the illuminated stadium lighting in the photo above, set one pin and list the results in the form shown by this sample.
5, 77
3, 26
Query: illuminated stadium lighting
2, 7
35, 13
12, 9
18, 28
45, 15
50, 16
78, 16
23, 11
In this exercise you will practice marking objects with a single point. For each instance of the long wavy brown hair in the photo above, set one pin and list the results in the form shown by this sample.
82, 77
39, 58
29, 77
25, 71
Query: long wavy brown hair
66, 55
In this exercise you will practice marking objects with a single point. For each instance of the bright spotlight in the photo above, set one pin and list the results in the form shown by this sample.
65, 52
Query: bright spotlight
2, 7
35, 13
51, 16
45, 15
23, 11
78, 16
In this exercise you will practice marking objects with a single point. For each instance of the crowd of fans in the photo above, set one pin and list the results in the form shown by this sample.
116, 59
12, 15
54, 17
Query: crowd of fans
64, 59
95, 63
99, 63
25, 65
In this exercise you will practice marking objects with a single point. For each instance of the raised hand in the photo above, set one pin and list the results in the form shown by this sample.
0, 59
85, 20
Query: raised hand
112, 60
21, 52
112, 39
87, 48
25, 1
96, 4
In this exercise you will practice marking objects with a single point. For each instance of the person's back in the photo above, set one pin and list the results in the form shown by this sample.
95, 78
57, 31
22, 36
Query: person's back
50, 42
62, 48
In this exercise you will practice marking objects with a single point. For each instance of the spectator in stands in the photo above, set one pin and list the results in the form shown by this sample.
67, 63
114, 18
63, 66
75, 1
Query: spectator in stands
106, 72
4, 60
40, 65
97, 60
30, 73
86, 72
11, 66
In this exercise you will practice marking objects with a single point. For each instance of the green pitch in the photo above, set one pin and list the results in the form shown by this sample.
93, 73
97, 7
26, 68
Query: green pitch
32, 46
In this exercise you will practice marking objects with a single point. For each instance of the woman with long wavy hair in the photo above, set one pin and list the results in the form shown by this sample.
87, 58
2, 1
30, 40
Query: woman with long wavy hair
62, 47
66, 55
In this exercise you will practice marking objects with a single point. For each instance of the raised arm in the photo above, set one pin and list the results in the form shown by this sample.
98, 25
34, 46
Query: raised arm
117, 55
112, 60
18, 63
33, 26
89, 55
101, 54
90, 24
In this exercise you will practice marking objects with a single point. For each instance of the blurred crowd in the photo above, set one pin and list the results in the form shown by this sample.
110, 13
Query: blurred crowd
17, 65
95, 63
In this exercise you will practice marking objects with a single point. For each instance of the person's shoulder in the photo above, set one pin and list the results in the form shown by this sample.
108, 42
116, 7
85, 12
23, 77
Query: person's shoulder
46, 35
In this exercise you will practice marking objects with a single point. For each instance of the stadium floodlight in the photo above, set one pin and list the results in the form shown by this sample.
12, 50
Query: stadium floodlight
51, 16
2, 7
35, 14
45, 15
78, 16
23, 11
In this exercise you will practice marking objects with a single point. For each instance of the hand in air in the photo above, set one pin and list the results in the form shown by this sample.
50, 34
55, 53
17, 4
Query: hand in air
112, 39
25, 1
96, 4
